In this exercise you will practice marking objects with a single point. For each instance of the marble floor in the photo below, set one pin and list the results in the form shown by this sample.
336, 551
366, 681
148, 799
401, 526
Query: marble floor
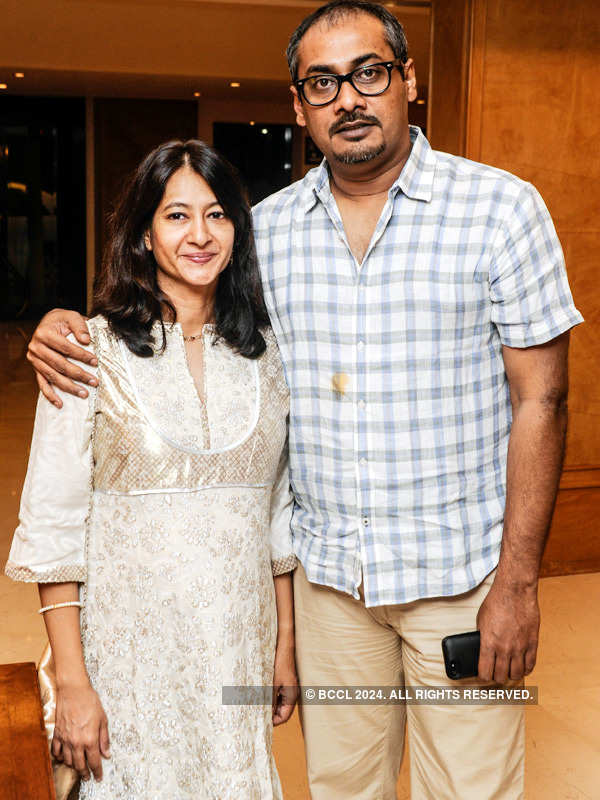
563, 740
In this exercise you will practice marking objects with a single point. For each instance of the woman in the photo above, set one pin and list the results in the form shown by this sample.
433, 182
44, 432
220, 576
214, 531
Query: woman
162, 505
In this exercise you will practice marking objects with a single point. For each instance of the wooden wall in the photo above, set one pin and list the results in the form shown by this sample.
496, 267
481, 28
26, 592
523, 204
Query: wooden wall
532, 109
448, 75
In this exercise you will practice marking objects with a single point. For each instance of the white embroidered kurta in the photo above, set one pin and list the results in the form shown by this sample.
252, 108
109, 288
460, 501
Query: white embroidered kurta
174, 515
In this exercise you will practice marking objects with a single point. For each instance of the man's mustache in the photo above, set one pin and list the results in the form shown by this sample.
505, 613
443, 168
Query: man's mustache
347, 119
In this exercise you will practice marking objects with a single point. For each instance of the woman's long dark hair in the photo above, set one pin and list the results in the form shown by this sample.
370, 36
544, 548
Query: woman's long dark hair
126, 290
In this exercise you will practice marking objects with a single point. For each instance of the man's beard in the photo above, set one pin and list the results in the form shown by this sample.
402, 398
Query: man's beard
358, 155
361, 155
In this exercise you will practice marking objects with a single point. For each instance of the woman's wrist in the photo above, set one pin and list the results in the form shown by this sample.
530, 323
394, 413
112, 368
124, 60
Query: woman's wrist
285, 631
286, 647
72, 679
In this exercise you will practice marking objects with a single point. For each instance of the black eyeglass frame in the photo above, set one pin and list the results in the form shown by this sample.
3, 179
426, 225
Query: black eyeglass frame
389, 65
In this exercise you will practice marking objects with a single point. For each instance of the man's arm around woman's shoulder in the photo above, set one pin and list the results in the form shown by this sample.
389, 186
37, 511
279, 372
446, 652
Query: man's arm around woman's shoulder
49, 351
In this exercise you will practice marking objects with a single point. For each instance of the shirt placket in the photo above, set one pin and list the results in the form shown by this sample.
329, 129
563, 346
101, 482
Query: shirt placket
362, 436
366, 445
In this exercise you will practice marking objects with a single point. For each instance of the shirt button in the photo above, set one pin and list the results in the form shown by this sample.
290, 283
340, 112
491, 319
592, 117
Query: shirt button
361, 344
363, 461
365, 521
362, 404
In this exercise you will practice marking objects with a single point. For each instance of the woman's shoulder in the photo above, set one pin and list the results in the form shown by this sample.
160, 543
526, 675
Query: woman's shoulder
272, 348
271, 358
268, 335
99, 323
102, 335
92, 326
106, 345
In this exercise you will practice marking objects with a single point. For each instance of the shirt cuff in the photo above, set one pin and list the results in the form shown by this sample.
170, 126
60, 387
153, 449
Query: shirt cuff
539, 332
284, 564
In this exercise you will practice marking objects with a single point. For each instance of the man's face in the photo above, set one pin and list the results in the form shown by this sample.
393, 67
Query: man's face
354, 129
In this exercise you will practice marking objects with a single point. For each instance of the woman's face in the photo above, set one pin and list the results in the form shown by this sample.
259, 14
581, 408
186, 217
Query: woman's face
191, 238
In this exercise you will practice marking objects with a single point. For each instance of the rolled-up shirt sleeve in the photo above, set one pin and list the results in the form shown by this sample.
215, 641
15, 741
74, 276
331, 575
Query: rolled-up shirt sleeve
282, 503
531, 298
49, 544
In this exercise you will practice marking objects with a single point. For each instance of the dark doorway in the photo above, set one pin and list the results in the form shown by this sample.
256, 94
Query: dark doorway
42, 205
261, 151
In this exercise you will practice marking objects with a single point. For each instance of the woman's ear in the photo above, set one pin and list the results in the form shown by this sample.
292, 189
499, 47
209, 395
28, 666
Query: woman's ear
148, 240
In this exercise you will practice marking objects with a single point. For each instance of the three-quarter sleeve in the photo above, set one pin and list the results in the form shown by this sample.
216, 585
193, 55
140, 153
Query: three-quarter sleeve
282, 503
49, 544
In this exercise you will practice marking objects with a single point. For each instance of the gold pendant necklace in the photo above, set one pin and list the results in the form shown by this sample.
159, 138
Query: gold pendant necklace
192, 338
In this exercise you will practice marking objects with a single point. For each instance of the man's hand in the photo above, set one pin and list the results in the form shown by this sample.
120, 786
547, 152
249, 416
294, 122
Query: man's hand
509, 617
49, 348
509, 623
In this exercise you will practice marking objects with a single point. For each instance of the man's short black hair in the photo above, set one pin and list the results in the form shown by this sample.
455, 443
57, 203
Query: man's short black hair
337, 10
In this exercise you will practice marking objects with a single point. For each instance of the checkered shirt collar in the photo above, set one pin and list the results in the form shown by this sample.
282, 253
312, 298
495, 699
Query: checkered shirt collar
415, 180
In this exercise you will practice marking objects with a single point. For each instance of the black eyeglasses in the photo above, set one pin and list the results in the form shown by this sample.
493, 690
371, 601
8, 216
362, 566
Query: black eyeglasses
369, 80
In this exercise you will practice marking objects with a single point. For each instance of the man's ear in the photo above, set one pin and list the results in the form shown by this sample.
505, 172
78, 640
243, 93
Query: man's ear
298, 107
410, 79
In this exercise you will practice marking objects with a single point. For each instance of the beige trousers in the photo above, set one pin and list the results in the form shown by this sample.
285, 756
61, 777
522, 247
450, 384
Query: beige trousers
353, 752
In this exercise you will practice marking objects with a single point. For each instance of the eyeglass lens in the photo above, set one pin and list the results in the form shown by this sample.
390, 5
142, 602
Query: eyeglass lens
366, 80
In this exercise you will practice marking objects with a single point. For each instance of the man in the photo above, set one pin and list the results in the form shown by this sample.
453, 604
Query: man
422, 310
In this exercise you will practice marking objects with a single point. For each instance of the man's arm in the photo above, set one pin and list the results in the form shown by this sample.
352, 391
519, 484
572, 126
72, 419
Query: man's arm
509, 617
49, 349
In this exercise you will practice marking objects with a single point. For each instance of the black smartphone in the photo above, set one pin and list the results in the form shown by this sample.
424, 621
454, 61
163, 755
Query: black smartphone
461, 655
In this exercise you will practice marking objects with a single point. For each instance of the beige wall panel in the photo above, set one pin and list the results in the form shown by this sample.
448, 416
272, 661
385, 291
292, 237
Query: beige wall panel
540, 100
583, 444
571, 198
534, 112
569, 188
557, 109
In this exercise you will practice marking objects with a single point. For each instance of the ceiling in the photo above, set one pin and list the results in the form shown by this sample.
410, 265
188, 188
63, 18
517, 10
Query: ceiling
166, 48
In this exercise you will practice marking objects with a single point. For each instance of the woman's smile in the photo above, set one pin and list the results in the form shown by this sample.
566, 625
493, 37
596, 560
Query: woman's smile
198, 258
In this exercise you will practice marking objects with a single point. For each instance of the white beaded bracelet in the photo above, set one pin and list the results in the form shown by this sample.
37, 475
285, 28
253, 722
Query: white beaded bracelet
61, 605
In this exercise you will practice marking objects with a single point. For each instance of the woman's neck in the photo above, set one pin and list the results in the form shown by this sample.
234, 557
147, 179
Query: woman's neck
194, 309
193, 319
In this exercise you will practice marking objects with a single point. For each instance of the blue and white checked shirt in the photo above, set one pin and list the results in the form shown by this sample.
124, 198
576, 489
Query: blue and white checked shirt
400, 408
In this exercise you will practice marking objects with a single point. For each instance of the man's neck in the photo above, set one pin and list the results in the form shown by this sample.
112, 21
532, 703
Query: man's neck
359, 181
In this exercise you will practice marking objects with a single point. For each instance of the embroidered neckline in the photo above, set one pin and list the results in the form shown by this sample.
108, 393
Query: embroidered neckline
153, 415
